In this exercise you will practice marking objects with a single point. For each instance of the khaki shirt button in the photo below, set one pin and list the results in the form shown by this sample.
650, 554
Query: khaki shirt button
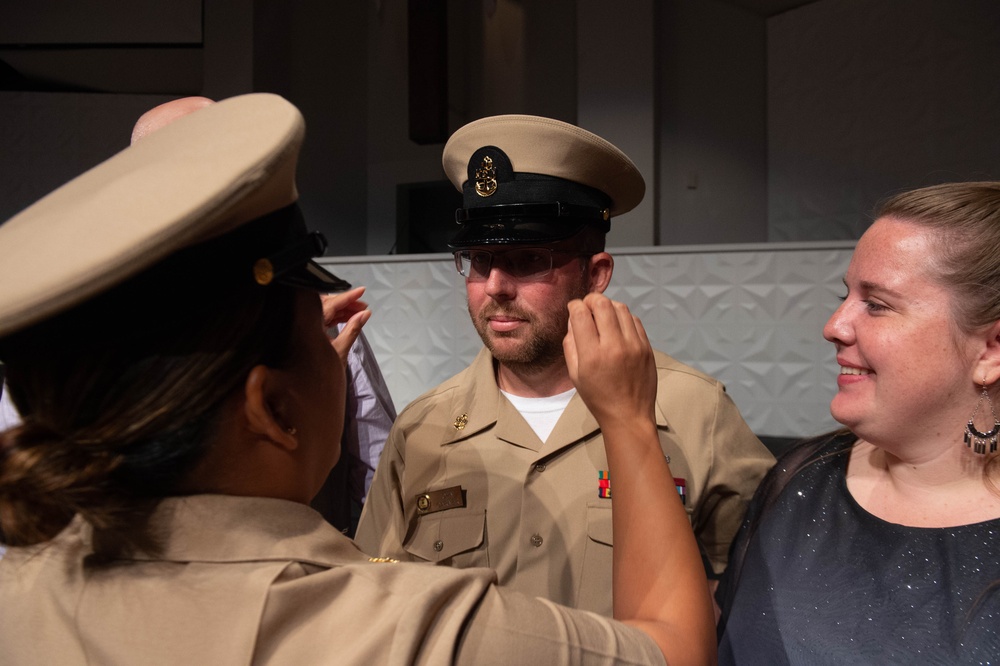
438, 545
536, 540
540, 467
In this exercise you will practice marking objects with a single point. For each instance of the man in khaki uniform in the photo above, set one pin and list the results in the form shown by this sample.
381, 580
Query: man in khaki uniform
502, 465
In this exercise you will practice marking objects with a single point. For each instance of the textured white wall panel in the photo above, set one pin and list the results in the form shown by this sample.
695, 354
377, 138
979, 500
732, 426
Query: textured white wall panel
751, 316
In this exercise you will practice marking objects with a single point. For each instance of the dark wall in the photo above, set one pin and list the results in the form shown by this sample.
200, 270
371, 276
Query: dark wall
314, 53
779, 128
71, 89
712, 107
870, 98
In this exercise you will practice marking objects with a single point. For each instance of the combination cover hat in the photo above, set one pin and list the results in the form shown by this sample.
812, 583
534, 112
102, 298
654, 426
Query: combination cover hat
529, 179
207, 175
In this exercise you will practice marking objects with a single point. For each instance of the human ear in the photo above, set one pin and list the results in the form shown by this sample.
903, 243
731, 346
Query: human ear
988, 367
600, 267
261, 405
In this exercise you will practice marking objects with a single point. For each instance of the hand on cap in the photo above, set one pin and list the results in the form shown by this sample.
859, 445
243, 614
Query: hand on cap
345, 308
610, 360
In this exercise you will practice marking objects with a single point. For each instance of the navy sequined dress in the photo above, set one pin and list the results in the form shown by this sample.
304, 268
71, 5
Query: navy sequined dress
816, 579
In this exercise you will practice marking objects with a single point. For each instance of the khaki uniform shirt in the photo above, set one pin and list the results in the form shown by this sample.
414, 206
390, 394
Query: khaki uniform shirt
264, 581
464, 481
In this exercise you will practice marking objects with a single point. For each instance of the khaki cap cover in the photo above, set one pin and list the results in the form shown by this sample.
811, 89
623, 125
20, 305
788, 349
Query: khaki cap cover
551, 148
199, 177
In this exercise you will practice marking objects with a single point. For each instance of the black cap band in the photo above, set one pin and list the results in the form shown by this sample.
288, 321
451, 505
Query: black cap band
503, 206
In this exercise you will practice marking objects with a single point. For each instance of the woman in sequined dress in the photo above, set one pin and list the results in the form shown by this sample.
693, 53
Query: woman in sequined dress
879, 543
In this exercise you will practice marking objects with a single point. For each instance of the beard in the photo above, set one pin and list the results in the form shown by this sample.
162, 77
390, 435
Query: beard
537, 344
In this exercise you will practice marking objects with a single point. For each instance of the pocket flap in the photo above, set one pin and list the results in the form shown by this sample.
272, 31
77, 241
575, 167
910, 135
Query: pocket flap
599, 523
599, 526
440, 536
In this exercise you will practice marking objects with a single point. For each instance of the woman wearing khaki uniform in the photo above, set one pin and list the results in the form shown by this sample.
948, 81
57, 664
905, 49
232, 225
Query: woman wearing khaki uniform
166, 346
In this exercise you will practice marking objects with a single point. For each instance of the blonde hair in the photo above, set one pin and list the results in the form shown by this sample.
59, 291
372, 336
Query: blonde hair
965, 218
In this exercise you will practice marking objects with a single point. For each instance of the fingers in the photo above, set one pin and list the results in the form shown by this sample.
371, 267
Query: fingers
349, 333
641, 332
581, 322
613, 319
609, 317
338, 308
569, 345
599, 320
609, 358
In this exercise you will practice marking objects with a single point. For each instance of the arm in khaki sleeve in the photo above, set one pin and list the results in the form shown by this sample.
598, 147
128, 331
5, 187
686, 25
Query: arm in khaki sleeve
382, 526
512, 628
739, 462
417, 614
658, 580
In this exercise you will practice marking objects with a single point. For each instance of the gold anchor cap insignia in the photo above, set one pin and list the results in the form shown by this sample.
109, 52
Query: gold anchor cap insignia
461, 422
486, 178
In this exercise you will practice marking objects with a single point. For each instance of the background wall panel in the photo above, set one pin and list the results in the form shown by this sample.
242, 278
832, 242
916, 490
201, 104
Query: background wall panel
751, 316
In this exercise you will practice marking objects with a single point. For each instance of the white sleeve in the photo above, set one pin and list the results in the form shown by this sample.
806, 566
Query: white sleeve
369, 416
8, 413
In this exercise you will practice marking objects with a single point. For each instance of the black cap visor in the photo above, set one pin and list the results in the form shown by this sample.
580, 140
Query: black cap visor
525, 223
292, 264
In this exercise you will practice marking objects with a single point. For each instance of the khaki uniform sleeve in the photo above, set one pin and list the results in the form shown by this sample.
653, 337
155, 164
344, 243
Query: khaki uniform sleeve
418, 614
382, 526
739, 462
512, 628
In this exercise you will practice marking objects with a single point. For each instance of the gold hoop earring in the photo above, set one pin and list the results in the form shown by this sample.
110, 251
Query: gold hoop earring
975, 439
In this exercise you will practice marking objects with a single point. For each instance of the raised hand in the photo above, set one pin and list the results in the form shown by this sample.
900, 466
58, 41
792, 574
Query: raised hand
345, 308
610, 360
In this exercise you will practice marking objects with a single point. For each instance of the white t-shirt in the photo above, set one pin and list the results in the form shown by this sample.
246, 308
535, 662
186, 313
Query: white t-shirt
541, 413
